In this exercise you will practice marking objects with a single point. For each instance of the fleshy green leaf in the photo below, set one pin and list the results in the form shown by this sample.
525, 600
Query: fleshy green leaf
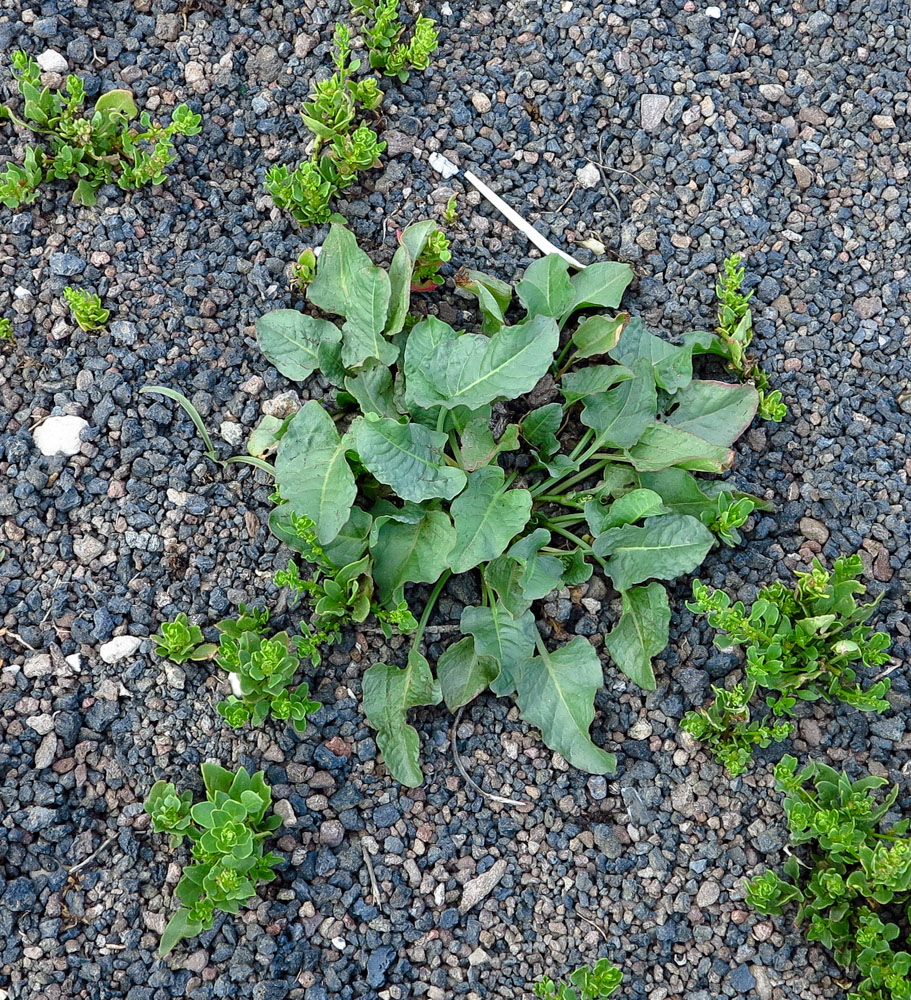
487, 516
407, 457
351, 542
508, 640
372, 388
477, 445
504, 576
632, 506
556, 692
673, 365
620, 415
362, 333
492, 294
715, 411
679, 490
291, 340
592, 381
598, 334
641, 633
312, 473
541, 574
539, 428
600, 284
340, 260
464, 674
180, 926
663, 548
410, 551
389, 692
411, 242
660, 446
545, 288
444, 369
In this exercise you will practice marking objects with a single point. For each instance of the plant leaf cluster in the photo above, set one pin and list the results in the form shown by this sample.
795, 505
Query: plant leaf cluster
384, 34
86, 308
409, 473
92, 149
851, 879
6, 329
343, 146
802, 644
226, 832
436, 252
596, 983
735, 333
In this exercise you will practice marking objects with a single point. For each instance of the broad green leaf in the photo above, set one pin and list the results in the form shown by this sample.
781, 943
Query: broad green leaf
120, 101
576, 569
312, 473
410, 552
266, 434
180, 926
330, 363
592, 381
539, 428
464, 674
351, 542
362, 333
508, 640
442, 368
601, 284
616, 479
598, 334
333, 288
372, 388
556, 692
632, 506
661, 446
663, 549
487, 516
388, 693
411, 242
407, 457
477, 445
504, 576
620, 415
679, 490
716, 411
545, 288
541, 574
673, 365
291, 340
641, 633
492, 294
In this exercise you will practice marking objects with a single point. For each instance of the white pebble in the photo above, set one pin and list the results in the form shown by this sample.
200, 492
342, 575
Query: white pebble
59, 435
52, 62
442, 165
119, 648
714, 12
588, 176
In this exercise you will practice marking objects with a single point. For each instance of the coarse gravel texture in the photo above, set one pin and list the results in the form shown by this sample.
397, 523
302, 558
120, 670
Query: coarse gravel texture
779, 130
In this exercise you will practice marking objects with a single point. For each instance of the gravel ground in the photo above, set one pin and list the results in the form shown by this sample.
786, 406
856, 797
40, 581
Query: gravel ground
779, 130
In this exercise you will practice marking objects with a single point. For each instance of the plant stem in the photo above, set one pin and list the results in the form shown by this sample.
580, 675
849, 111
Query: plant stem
431, 603
565, 484
581, 443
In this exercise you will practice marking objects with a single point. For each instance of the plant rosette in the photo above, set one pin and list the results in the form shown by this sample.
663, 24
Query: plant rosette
407, 472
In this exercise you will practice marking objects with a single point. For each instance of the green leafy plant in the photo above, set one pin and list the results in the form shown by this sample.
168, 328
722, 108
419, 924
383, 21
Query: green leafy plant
735, 332
226, 832
94, 149
180, 641
726, 727
851, 876
436, 252
409, 474
265, 669
304, 270
802, 644
451, 211
86, 308
6, 329
384, 34
342, 148
596, 983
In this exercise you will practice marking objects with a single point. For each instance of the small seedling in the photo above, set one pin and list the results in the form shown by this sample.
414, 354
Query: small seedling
801, 645
735, 330
6, 330
94, 149
427, 267
226, 831
384, 33
451, 211
86, 308
304, 271
850, 876
600, 981
180, 641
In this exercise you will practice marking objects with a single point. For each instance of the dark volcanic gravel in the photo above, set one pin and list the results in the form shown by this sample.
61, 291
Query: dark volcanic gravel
779, 130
